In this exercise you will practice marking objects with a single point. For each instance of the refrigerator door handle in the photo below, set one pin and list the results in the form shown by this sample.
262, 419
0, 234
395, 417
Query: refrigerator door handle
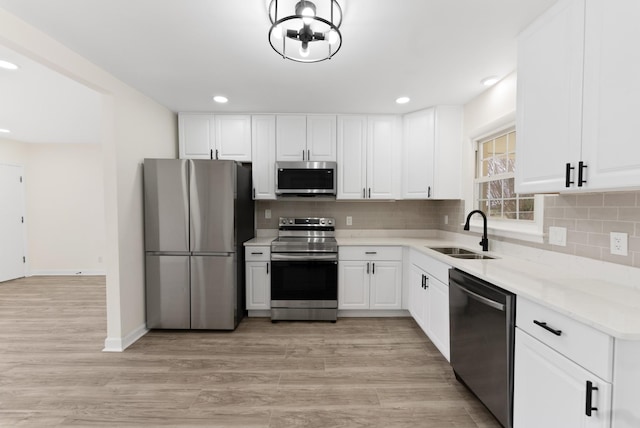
200, 253
168, 253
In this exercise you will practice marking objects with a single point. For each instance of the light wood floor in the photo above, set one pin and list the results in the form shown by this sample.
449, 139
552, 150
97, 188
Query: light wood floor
355, 373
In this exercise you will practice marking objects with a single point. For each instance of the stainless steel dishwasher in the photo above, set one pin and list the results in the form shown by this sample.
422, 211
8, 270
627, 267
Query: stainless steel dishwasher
482, 322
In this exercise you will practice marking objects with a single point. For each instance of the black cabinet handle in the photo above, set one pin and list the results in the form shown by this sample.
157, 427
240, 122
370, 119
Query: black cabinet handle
367, 268
211, 154
423, 281
369, 192
254, 193
267, 268
373, 268
217, 157
429, 192
589, 399
546, 327
364, 193
567, 176
371, 252
257, 253
581, 167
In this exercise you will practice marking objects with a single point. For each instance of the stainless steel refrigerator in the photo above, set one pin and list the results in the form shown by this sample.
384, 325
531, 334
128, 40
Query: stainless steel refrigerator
197, 215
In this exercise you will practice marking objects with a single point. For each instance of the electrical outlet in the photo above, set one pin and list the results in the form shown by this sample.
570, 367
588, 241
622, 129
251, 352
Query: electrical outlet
619, 244
446, 219
349, 220
267, 213
558, 236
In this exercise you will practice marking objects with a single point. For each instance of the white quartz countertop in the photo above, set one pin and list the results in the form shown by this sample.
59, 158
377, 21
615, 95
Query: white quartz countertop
609, 303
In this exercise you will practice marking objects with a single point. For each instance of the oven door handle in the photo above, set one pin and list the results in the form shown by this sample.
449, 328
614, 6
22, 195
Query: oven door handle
496, 305
303, 257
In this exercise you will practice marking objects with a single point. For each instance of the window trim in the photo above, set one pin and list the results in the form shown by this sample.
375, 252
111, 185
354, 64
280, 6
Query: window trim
513, 229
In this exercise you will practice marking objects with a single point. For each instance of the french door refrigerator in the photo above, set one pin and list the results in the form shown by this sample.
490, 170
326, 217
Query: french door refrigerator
198, 214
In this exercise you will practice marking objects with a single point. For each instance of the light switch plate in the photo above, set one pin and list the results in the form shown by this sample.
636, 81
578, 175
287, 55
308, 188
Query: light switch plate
619, 244
558, 236
349, 220
267, 213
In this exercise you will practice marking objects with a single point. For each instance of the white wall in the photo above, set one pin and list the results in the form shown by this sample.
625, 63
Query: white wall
494, 107
64, 206
65, 209
133, 127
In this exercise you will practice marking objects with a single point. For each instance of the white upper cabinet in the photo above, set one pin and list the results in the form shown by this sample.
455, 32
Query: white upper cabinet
369, 157
263, 140
578, 89
233, 137
611, 94
432, 148
306, 138
208, 136
196, 135
321, 138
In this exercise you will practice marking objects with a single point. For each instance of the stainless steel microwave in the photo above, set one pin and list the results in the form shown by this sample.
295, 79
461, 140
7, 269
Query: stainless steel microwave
305, 178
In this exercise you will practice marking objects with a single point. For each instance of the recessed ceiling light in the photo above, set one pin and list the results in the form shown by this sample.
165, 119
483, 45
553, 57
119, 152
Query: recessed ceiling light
489, 81
220, 99
4, 131
403, 100
8, 65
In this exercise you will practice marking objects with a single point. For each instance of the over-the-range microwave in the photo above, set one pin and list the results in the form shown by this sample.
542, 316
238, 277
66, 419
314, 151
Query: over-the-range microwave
305, 178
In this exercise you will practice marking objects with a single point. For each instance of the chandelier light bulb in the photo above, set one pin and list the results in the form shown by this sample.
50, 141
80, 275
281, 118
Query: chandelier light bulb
304, 50
332, 37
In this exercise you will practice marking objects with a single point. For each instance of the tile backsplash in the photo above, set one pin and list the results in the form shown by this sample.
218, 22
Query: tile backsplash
365, 214
588, 218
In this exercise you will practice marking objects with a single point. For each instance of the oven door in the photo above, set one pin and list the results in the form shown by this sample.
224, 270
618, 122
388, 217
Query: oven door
304, 280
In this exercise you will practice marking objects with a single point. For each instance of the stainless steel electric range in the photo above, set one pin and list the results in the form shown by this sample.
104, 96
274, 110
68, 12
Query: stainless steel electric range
304, 270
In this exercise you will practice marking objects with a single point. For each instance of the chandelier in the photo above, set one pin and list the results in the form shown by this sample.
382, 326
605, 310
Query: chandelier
305, 31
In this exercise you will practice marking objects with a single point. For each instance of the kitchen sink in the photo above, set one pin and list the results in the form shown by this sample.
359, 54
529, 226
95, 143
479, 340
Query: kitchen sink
452, 250
471, 256
461, 253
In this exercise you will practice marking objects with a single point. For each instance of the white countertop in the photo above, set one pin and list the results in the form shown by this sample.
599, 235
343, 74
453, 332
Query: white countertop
608, 300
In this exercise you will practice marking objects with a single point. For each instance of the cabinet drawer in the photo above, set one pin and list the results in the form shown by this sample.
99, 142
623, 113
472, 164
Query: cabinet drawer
257, 254
370, 253
590, 348
433, 267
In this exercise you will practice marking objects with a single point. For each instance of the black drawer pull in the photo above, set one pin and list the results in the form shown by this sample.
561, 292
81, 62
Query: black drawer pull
589, 401
256, 254
546, 327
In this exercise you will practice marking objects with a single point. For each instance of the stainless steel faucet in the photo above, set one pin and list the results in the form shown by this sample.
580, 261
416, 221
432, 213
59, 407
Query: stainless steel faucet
485, 241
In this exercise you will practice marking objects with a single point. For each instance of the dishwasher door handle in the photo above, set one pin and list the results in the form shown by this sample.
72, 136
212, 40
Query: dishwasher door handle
496, 305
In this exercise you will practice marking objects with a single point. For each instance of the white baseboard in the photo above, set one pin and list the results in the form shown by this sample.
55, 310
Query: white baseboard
373, 313
116, 344
66, 272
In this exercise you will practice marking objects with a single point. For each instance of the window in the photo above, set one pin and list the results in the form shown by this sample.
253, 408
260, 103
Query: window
495, 178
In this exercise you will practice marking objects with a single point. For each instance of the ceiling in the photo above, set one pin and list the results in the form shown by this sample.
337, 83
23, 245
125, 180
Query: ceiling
181, 53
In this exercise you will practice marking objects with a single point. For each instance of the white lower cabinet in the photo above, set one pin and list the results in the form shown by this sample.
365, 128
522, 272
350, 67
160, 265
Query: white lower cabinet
258, 277
370, 278
553, 391
429, 303
562, 371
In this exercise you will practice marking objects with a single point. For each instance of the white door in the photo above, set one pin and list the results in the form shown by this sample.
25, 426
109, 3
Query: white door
418, 149
383, 154
258, 285
386, 285
353, 285
11, 223
233, 137
291, 138
264, 156
611, 95
551, 391
438, 315
352, 155
321, 138
196, 136
418, 294
549, 100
